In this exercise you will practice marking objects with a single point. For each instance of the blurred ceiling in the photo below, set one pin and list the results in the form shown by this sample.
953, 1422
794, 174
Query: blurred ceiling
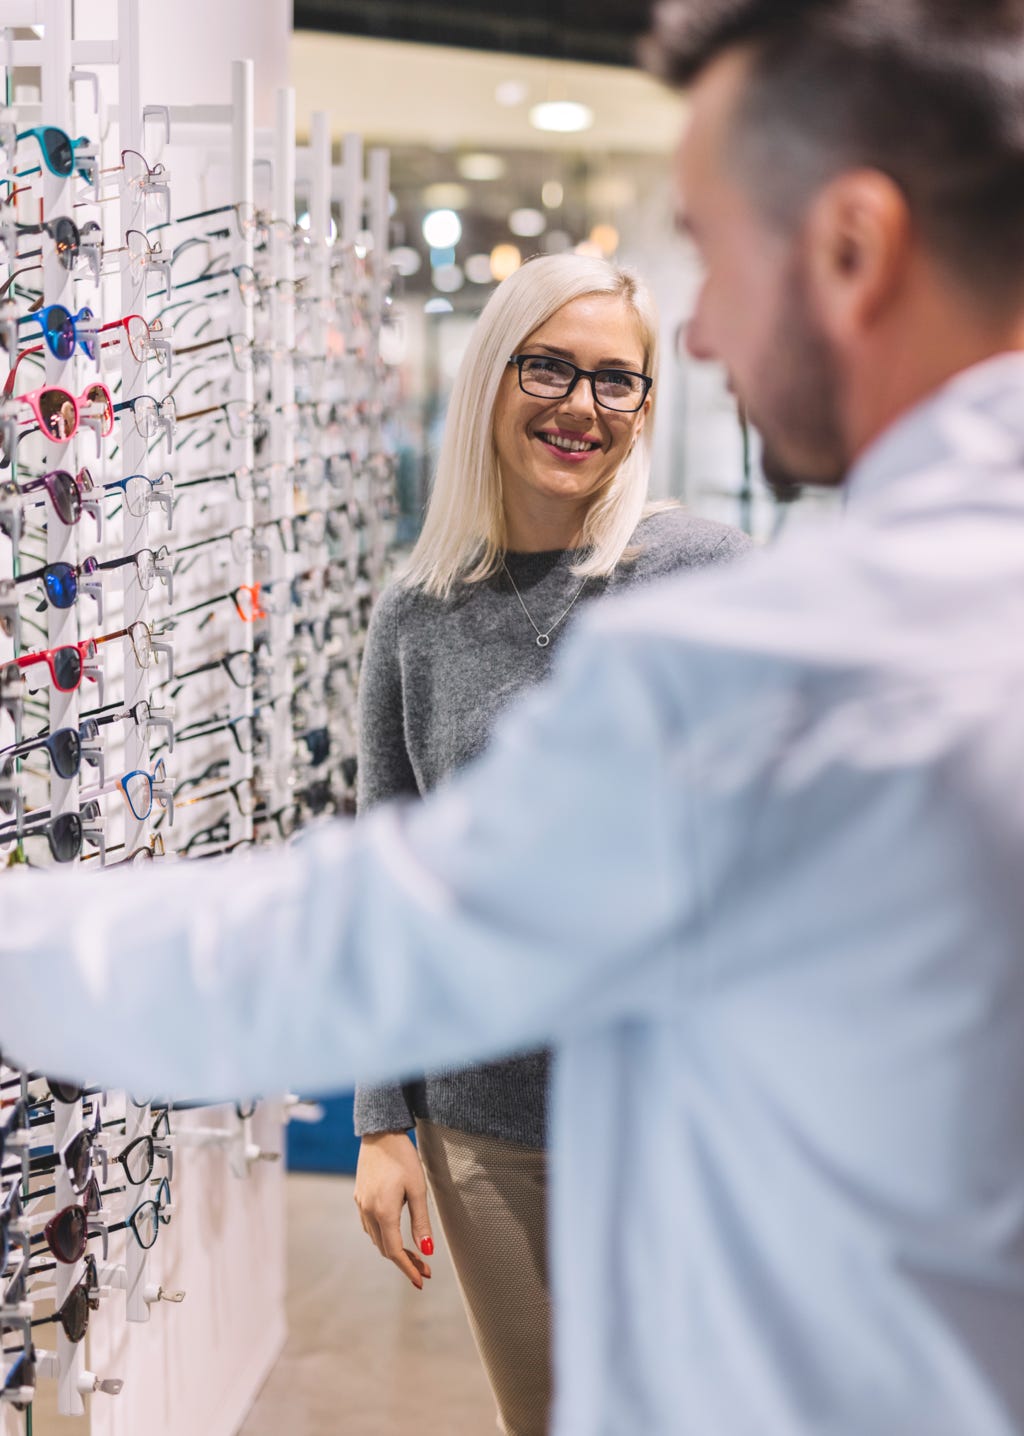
599, 31
395, 92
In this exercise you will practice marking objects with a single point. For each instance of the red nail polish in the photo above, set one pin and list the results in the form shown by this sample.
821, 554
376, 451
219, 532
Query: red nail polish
427, 1246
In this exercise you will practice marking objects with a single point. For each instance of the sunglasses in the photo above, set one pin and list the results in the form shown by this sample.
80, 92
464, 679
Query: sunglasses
61, 329
66, 236
59, 413
64, 490
77, 1153
83, 1298
60, 580
68, 1231
64, 747
63, 832
66, 662
58, 150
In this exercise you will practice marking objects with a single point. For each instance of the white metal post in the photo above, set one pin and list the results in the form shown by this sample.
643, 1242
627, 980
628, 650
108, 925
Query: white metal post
242, 322
282, 448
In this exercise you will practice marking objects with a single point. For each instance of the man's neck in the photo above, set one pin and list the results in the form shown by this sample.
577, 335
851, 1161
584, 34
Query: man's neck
914, 358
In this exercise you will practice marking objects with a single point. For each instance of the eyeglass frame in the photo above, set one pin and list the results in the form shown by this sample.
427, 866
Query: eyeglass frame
578, 374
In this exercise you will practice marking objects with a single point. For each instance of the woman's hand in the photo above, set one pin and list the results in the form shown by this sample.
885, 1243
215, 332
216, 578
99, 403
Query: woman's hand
389, 1174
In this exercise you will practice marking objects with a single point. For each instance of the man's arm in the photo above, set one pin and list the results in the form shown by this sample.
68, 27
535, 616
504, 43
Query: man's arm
537, 895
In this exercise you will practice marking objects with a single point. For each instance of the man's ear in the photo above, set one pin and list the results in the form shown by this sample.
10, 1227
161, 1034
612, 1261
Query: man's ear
858, 245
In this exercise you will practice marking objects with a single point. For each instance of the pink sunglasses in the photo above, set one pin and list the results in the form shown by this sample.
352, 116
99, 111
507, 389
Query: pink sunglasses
57, 411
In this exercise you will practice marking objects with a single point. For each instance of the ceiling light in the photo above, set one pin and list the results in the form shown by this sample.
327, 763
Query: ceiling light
441, 257
446, 196
481, 166
563, 117
478, 269
527, 222
606, 237
442, 228
449, 278
511, 93
437, 305
505, 260
552, 194
406, 260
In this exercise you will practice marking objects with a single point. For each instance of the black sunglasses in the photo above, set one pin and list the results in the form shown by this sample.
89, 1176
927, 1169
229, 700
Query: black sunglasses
76, 1155
83, 1298
64, 834
64, 747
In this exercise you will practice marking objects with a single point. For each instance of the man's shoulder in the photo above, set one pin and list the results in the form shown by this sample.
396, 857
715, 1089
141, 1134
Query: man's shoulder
778, 599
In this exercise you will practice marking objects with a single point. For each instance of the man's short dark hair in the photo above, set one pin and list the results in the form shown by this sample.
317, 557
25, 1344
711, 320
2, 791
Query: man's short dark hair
931, 92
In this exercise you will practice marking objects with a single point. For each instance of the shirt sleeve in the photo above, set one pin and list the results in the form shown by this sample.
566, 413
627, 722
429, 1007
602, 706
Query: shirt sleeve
538, 896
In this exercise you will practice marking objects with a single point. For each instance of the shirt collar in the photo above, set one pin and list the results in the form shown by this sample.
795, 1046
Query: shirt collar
978, 415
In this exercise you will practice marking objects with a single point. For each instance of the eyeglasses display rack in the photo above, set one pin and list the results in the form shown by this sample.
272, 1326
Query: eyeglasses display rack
196, 509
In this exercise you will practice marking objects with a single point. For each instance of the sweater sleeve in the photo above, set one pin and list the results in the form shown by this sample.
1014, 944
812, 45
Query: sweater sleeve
384, 771
385, 768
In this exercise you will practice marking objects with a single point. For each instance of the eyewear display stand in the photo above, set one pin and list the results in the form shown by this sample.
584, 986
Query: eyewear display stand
198, 614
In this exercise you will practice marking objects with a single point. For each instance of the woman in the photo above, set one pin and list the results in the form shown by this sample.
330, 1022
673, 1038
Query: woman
539, 506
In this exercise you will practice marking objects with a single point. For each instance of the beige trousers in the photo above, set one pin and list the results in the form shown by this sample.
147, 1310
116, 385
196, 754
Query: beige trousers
490, 1197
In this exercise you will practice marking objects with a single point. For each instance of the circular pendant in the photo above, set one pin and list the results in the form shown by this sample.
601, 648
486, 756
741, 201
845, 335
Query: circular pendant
543, 640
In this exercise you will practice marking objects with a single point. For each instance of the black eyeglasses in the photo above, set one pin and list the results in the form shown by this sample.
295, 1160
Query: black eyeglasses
241, 666
138, 1157
544, 377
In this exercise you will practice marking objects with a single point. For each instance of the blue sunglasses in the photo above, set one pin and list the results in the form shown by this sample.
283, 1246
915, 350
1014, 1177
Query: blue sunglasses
60, 329
58, 151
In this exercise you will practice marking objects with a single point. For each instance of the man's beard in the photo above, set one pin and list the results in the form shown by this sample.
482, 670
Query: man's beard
799, 400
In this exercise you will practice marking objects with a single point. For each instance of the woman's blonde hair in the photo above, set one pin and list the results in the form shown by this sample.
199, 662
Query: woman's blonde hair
464, 536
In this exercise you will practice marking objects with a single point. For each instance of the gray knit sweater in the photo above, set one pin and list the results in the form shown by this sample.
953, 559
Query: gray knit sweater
436, 676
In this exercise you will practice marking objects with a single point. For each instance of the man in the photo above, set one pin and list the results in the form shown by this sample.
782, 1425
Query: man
753, 859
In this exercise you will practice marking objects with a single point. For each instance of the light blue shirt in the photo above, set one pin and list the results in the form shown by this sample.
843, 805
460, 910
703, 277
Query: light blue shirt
754, 862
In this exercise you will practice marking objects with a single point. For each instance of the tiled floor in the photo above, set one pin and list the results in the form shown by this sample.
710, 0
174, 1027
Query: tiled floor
367, 1354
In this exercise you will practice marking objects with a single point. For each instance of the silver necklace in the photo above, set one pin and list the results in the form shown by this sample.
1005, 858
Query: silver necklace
543, 639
